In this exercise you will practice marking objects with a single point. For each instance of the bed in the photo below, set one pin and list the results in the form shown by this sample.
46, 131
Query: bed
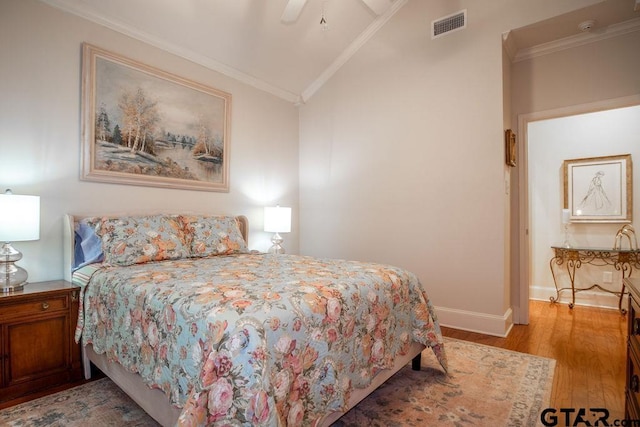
199, 330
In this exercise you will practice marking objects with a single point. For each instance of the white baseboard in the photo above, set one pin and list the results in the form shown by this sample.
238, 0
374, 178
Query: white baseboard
476, 322
592, 298
501, 325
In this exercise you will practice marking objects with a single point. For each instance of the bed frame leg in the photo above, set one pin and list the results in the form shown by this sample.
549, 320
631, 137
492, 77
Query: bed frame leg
415, 362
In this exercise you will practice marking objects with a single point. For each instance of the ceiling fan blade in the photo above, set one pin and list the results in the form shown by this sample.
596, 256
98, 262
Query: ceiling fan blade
292, 10
378, 6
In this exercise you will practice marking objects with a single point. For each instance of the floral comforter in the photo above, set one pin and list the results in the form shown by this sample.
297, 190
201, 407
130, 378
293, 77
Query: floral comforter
256, 339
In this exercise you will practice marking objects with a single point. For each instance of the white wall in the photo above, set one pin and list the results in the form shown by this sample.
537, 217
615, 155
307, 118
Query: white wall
40, 134
606, 133
402, 157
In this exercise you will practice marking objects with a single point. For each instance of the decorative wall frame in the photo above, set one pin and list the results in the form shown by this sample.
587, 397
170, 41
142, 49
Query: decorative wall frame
510, 147
599, 189
144, 126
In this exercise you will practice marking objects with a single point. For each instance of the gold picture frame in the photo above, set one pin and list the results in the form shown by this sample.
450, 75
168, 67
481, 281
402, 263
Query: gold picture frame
599, 189
144, 126
510, 148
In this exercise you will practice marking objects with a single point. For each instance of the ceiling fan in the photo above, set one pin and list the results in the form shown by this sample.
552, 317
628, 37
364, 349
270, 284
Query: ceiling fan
294, 7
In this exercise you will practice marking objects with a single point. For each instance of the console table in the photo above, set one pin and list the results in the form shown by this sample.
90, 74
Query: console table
623, 260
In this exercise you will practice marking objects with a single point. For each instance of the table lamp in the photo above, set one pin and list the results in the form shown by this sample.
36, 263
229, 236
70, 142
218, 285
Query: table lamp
277, 220
19, 221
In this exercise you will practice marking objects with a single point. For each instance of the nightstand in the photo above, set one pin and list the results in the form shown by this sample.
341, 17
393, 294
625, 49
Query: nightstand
37, 349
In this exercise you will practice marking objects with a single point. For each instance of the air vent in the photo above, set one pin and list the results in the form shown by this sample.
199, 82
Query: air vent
447, 24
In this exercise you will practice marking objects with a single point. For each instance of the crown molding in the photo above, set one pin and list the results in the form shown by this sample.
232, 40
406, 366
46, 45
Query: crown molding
174, 49
509, 45
611, 31
351, 50
222, 68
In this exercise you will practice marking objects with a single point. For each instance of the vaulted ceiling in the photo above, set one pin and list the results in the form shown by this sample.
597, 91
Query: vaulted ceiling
249, 40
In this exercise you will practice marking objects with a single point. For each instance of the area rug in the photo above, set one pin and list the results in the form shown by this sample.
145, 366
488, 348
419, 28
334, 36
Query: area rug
485, 386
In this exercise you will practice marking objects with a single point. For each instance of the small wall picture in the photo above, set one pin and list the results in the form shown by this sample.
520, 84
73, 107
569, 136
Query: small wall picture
144, 126
599, 189
510, 147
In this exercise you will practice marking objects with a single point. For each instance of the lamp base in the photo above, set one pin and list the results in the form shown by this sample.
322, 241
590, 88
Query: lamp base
12, 277
277, 244
13, 288
567, 239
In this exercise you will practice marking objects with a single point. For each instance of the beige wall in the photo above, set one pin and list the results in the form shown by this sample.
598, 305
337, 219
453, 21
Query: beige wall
402, 157
594, 72
40, 134
597, 76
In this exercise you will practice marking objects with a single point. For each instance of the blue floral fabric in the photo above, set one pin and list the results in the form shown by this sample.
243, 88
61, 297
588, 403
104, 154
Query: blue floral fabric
135, 240
253, 339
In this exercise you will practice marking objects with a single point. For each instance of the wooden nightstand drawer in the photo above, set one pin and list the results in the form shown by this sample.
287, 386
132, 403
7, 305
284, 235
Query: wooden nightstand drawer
34, 306
37, 351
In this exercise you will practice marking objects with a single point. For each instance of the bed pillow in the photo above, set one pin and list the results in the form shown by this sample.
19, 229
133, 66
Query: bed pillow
213, 235
139, 239
88, 246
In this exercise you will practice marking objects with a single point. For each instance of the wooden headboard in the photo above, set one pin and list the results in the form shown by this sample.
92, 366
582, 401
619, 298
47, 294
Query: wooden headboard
69, 236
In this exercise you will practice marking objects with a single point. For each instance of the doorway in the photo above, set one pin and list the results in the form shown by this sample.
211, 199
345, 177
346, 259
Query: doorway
541, 199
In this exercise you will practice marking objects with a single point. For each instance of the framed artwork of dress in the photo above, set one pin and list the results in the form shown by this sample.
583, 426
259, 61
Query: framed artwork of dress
599, 189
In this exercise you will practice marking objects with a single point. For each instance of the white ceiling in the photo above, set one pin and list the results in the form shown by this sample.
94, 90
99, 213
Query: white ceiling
247, 40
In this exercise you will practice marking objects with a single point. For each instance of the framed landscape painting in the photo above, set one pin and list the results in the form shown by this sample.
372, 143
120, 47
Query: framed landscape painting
599, 189
144, 126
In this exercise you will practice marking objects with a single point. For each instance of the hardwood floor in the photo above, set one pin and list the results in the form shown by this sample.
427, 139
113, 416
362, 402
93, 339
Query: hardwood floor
588, 344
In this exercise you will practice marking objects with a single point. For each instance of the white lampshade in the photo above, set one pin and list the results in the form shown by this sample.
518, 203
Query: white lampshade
19, 217
19, 221
277, 220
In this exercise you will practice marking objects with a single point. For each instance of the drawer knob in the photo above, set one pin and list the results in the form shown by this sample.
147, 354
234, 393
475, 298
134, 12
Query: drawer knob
635, 384
636, 326
45, 305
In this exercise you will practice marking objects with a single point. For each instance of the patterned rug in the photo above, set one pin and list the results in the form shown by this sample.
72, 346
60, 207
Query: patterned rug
486, 386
